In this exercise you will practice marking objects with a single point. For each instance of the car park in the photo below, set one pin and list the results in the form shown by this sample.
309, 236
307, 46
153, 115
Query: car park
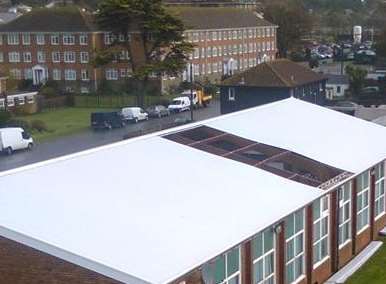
134, 114
157, 111
106, 120
179, 104
14, 138
346, 107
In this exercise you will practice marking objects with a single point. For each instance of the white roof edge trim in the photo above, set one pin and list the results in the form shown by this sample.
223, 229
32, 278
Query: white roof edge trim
132, 140
244, 239
70, 257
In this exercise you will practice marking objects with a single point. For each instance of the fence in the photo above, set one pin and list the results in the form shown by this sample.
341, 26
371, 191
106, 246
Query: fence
118, 101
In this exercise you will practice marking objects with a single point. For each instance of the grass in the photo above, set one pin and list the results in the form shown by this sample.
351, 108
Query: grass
374, 270
61, 122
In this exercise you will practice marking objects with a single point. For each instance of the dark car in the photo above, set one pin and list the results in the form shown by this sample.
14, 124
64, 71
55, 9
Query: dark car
106, 120
157, 111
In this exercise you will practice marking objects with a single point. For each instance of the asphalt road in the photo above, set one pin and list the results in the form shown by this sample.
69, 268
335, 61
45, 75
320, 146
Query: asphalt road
90, 139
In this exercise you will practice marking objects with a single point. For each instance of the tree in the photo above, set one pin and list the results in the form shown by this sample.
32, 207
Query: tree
293, 22
357, 77
164, 49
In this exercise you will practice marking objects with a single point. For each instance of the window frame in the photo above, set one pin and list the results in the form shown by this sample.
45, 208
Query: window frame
69, 59
55, 39
379, 190
346, 220
83, 39
40, 39
68, 39
13, 38
67, 72
263, 258
317, 243
363, 193
231, 94
24, 38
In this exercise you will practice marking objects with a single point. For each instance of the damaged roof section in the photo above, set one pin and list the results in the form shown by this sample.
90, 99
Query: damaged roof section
275, 160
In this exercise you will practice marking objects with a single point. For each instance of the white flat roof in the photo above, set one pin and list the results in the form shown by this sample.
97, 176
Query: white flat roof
325, 135
148, 210
145, 209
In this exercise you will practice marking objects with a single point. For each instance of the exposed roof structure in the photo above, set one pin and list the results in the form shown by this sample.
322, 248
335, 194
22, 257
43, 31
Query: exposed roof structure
99, 209
6, 17
218, 18
281, 73
62, 19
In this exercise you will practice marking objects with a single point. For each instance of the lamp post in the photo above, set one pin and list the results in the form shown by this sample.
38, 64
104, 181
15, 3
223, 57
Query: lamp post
191, 91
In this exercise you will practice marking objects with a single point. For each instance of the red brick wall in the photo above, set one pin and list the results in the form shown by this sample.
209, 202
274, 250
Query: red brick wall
362, 240
345, 254
322, 272
379, 224
20, 264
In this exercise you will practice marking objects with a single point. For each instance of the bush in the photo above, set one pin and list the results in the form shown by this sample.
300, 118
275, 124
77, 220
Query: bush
48, 92
39, 125
5, 117
19, 123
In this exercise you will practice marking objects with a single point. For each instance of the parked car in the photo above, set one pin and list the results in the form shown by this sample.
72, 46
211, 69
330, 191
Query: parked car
106, 120
157, 111
134, 114
346, 107
179, 104
14, 138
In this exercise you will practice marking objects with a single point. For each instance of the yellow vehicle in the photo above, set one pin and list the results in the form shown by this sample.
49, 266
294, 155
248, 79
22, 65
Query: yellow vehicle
200, 99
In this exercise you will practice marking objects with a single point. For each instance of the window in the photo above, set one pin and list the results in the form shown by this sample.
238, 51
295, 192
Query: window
196, 53
214, 67
195, 37
294, 234
68, 39
55, 56
13, 39
41, 56
26, 39
84, 90
83, 39
214, 51
231, 94
263, 255
111, 74
1, 39
28, 74
69, 57
320, 232
15, 73
84, 75
208, 51
344, 214
27, 57
123, 72
121, 37
1, 57
55, 39
220, 51
109, 38
69, 74
379, 209
56, 74
214, 35
363, 189
84, 57
203, 52
40, 39
14, 57
338, 89
225, 269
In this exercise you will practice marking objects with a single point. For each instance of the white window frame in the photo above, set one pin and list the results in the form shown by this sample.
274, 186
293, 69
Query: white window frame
41, 56
13, 39
324, 216
84, 58
26, 39
111, 74
83, 39
55, 56
27, 56
70, 74
231, 94
15, 73
14, 57
363, 209
344, 222
264, 257
56, 74
69, 57
1, 56
55, 39
296, 255
28, 74
68, 39
40, 40
84, 75
379, 202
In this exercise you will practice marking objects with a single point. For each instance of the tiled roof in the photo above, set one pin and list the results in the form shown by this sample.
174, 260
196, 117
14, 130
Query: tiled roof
64, 19
281, 73
337, 79
218, 17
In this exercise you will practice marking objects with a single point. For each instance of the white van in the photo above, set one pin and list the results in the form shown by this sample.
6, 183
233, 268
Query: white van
186, 93
179, 104
134, 114
14, 138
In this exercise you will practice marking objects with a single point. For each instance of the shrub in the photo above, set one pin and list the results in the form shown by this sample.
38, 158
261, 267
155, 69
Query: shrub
39, 125
48, 92
5, 117
19, 123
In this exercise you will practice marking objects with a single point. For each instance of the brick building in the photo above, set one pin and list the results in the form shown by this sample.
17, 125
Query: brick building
274, 202
60, 43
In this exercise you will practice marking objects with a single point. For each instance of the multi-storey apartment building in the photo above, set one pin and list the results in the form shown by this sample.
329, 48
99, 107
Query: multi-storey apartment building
59, 44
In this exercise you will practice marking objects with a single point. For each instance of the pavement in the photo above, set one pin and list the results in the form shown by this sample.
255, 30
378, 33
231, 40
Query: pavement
90, 139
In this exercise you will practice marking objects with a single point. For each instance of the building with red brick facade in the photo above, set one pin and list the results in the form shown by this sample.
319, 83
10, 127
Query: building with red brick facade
274, 202
60, 44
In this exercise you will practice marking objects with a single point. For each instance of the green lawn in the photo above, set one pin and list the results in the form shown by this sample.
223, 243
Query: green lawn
61, 122
374, 271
